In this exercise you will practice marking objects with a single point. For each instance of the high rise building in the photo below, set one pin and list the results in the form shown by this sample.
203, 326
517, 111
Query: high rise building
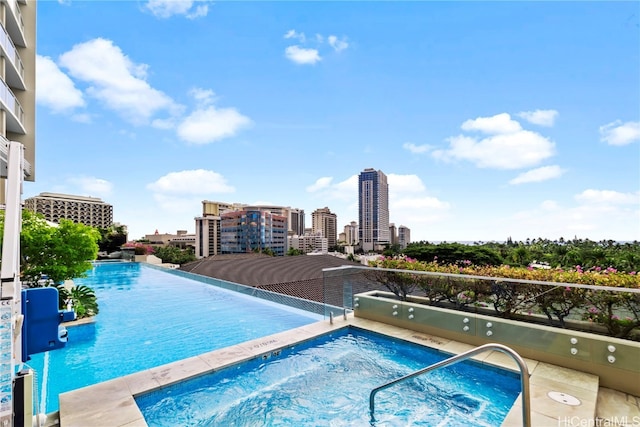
296, 222
325, 222
373, 207
208, 227
209, 239
253, 230
393, 234
18, 77
351, 233
404, 236
84, 210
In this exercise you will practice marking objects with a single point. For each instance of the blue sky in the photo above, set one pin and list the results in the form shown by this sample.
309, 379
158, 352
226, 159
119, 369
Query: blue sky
490, 120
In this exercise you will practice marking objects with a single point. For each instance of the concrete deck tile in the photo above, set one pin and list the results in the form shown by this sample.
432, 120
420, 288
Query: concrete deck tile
108, 402
180, 370
225, 356
141, 381
427, 340
568, 376
616, 408
542, 403
514, 418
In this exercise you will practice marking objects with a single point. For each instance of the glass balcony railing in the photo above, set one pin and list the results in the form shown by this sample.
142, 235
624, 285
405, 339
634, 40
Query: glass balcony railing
15, 21
10, 103
11, 52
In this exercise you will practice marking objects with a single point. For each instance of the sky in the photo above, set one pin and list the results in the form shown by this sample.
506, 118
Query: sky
490, 119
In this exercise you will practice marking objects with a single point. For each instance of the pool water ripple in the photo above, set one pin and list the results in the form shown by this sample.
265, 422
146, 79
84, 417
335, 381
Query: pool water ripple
327, 381
148, 318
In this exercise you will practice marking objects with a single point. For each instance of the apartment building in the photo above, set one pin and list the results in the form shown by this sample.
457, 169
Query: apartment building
309, 243
90, 211
404, 236
18, 82
253, 230
296, 222
208, 236
351, 234
207, 239
393, 234
324, 222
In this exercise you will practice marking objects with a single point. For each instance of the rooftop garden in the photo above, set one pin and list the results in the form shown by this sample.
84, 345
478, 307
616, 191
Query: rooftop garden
600, 299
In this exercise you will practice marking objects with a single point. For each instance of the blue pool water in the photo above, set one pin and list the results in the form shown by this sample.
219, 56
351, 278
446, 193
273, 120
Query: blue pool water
148, 318
327, 381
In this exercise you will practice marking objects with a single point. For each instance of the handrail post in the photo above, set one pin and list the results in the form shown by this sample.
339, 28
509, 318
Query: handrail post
522, 366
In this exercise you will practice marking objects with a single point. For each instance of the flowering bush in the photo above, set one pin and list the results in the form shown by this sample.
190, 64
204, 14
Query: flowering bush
617, 310
139, 248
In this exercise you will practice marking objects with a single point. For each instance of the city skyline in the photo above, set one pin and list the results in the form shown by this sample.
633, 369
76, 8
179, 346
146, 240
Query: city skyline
491, 120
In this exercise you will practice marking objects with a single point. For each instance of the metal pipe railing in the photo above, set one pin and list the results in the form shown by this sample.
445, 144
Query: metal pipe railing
524, 376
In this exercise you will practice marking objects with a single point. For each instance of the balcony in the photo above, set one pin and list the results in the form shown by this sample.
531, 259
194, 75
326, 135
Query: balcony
15, 70
15, 113
15, 23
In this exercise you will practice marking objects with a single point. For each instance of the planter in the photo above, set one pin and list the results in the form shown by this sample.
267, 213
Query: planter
614, 360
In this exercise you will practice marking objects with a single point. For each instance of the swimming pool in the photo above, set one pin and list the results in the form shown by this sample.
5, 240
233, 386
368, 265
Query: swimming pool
327, 381
148, 318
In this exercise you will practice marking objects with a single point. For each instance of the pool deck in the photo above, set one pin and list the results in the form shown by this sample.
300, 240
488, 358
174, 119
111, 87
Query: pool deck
112, 403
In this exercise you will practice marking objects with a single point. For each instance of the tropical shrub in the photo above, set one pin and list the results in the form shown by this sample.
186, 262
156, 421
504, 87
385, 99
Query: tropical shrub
82, 299
518, 291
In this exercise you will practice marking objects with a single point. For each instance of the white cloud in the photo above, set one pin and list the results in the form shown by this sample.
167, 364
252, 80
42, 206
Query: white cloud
540, 117
167, 8
598, 215
116, 81
504, 151
81, 118
337, 44
203, 96
409, 203
325, 189
549, 205
608, 197
618, 133
211, 124
537, 175
293, 34
191, 182
320, 184
301, 55
405, 184
54, 88
417, 149
416, 212
91, 186
498, 124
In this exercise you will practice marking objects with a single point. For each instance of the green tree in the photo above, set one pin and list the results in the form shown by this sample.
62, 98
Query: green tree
112, 238
174, 255
58, 252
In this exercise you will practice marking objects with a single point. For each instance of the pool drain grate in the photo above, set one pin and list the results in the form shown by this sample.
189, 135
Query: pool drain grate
567, 399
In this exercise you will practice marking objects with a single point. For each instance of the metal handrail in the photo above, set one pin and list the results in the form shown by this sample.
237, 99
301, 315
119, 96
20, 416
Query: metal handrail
524, 376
